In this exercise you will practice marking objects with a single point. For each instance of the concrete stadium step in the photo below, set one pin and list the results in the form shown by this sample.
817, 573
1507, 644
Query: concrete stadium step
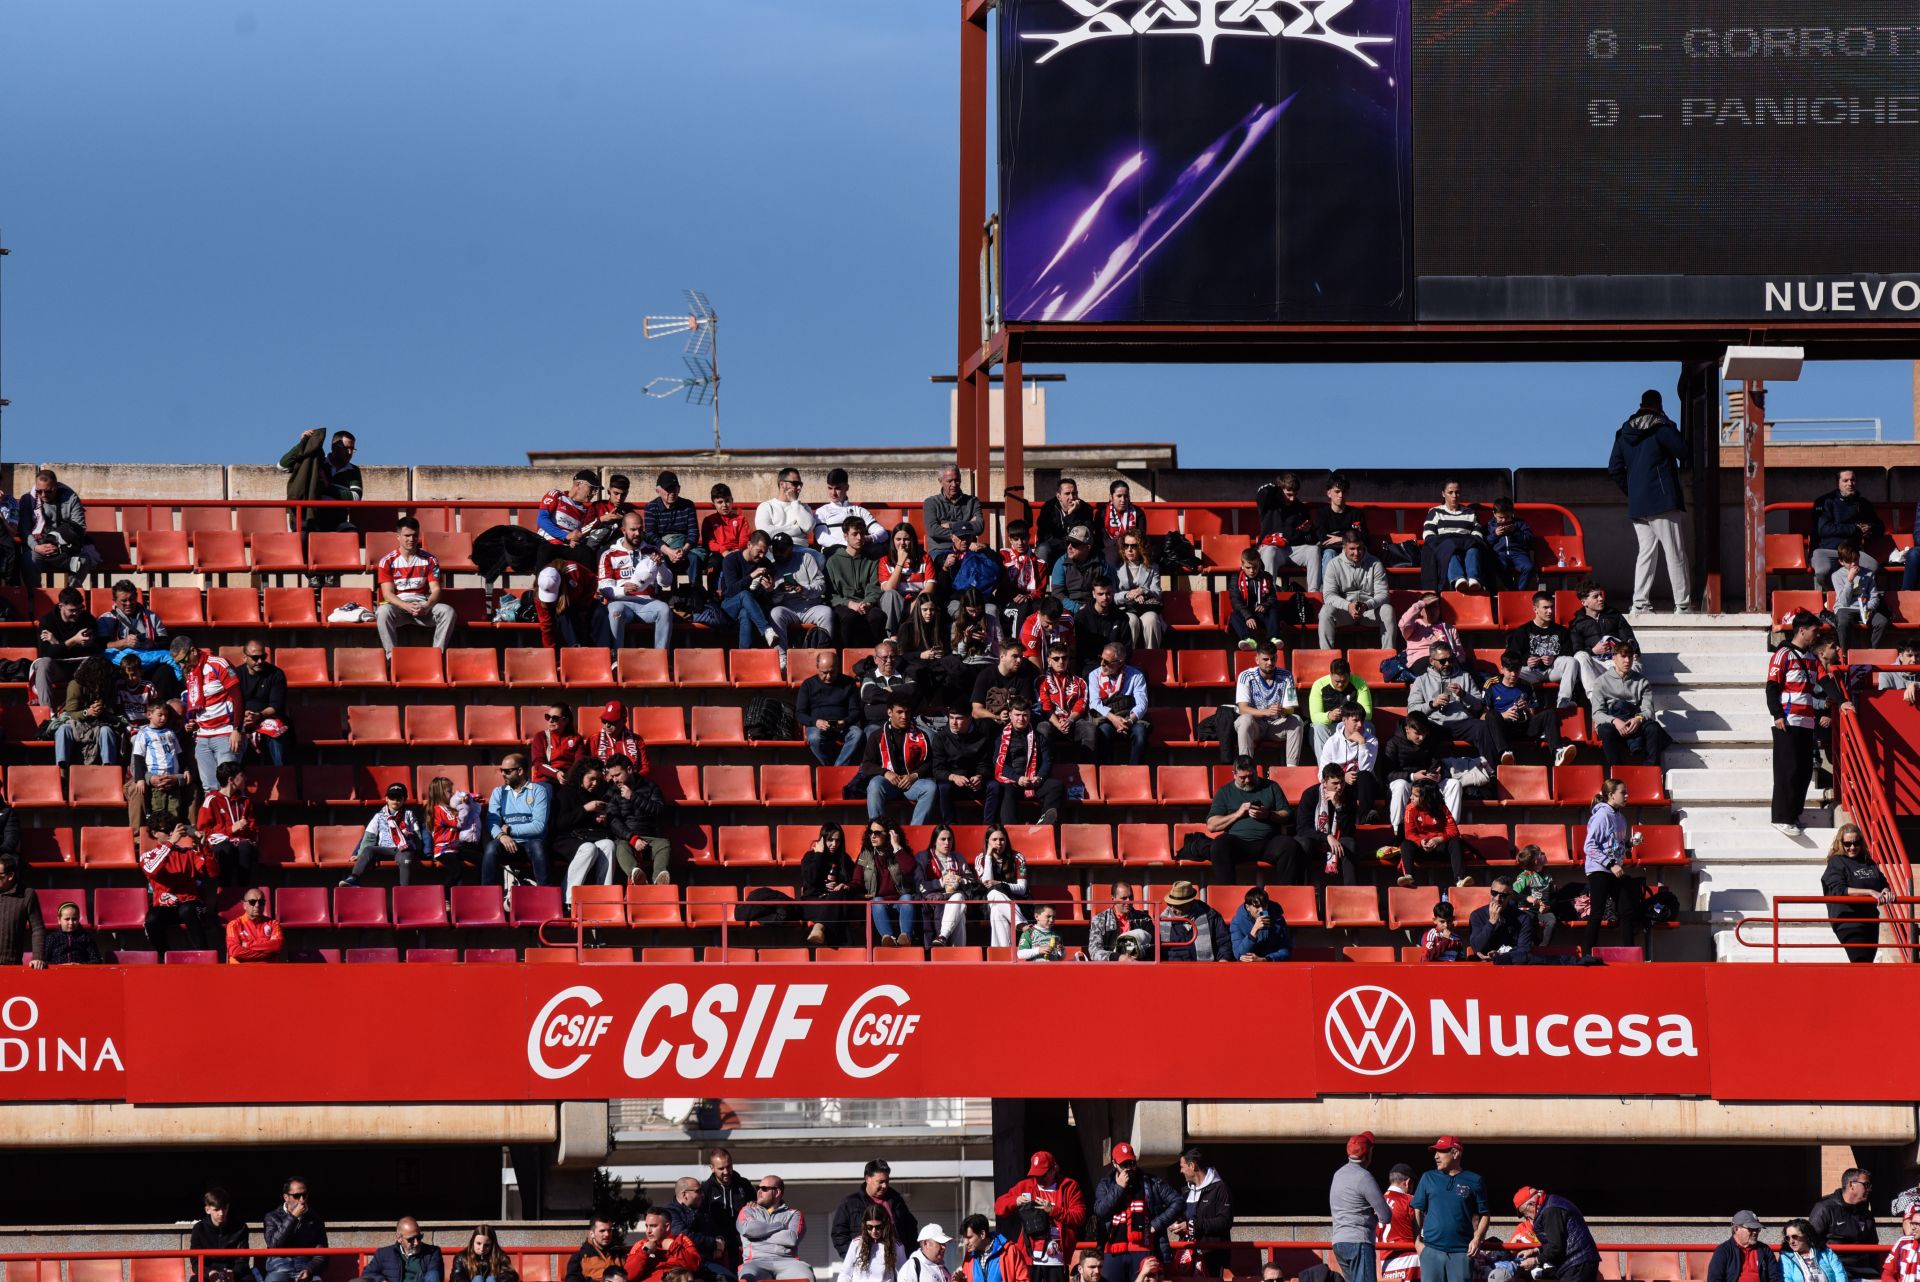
1732, 891
1692, 726
1688, 667
1720, 785
1730, 829
1668, 621
1720, 757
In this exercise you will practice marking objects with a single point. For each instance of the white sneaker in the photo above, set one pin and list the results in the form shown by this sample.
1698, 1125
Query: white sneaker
773, 636
1791, 830
1248, 643
1460, 585
1473, 585
1565, 754
1506, 758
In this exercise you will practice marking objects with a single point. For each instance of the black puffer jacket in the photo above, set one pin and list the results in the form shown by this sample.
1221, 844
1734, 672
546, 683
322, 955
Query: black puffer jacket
1841, 1223
640, 814
1401, 757
1837, 519
1587, 630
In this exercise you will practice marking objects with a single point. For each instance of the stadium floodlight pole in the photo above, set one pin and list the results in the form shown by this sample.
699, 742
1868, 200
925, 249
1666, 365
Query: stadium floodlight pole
701, 325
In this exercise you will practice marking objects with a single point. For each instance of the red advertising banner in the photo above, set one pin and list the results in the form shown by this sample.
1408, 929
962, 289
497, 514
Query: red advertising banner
144, 1034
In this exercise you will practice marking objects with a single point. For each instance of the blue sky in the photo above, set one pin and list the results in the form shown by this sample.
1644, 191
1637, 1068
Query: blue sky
439, 223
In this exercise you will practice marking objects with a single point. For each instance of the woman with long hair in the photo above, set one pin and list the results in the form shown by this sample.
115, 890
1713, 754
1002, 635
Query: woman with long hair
875, 1255
453, 824
1002, 870
946, 875
1609, 841
975, 636
903, 574
889, 877
827, 878
1136, 590
579, 826
1427, 827
89, 726
483, 1260
1852, 873
1806, 1257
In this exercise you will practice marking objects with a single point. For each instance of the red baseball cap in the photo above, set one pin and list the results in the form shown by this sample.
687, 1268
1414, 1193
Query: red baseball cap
1360, 1145
1445, 1142
614, 711
1040, 1163
1524, 1196
1123, 1153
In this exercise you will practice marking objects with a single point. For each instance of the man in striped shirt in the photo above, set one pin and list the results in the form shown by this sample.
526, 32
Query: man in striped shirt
635, 584
210, 698
408, 579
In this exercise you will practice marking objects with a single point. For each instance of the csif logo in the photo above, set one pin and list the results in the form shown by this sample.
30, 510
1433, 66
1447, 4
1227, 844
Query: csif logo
1208, 21
1372, 1031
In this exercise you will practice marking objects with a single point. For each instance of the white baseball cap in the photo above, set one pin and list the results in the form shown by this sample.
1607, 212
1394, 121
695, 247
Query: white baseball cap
932, 1233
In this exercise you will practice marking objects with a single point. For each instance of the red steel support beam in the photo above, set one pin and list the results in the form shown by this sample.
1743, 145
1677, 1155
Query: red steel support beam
972, 443
1013, 463
1754, 494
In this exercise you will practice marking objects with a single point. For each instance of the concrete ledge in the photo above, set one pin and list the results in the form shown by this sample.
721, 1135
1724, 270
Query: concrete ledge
1493, 1120
27, 1126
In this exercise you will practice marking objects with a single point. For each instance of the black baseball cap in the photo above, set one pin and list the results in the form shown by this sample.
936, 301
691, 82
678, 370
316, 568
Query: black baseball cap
588, 475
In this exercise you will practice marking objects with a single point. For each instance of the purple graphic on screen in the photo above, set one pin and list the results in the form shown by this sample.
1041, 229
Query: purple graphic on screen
1099, 251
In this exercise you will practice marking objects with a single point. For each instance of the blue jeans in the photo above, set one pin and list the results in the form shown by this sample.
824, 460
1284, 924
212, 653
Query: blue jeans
820, 742
494, 857
66, 744
1357, 1260
1471, 565
208, 753
273, 748
1105, 734
1517, 569
621, 611
1445, 1266
1910, 577
891, 919
743, 609
921, 794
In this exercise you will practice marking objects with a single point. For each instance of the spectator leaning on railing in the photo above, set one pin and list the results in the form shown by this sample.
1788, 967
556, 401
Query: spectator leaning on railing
411, 1258
291, 1227
1844, 1217
22, 932
219, 1229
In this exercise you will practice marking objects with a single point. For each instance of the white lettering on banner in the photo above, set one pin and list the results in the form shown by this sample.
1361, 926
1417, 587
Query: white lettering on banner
1208, 20
49, 1054
1371, 1031
749, 1031
1867, 296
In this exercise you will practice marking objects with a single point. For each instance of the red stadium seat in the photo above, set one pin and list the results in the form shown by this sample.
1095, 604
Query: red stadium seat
756, 669
1374, 954
1353, 907
360, 666
289, 607
278, 552
787, 785
418, 666
710, 905
696, 668
490, 955
1183, 786
301, 907
1126, 785
234, 608
1142, 844
31, 787
433, 724
306, 669
107, 847
652, 906
660, 725
117, 907
535, 668
719, 727
161, 550
334, 845
1086, 844
474, 907
1296, 904
361, 906
374, 724
602, 905
586, 667
1203, 669
1644, 785
433, 954
1785, 553
374, 956
1551, 838
536, 905
419, 907
220, 552
733, 785
1523, 786
1411, 906
1188, 611
334, 552
96, 786
286, 846
48, 847
1308, 666
469, 668
644, 667
186, 957
744, 846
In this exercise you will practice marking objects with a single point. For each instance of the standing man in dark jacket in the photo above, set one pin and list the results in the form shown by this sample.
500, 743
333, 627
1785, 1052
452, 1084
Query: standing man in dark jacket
1566, 1243
876, 1190
1131, 1212
313, 474
1844, 1218
726, 1192
1731, 1257
22, 932
1207, 1214
291, 1226
1647, 452
1841, 515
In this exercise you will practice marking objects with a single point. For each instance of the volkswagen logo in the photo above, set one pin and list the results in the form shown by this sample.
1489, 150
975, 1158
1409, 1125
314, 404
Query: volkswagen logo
1370, 1030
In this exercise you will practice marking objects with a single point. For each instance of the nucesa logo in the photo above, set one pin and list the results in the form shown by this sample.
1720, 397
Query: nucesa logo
1372, 1031
726, 1030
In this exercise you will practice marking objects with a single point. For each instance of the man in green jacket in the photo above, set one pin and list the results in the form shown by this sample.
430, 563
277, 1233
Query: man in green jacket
1325, 698
853, 588
314, 474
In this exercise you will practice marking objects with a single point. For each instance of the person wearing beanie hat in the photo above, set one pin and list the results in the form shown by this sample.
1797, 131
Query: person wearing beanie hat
1053, 1203
1647, 453
1566, 1243
1358, 1211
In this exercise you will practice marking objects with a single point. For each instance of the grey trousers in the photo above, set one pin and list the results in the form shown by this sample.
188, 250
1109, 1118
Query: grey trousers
389, 619
1659, 536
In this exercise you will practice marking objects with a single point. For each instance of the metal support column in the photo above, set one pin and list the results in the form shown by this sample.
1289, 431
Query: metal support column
1754, 494
1700, 403
1013, 462
971, 442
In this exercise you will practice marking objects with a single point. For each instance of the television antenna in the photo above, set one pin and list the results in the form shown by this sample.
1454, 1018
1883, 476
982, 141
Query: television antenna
701, 355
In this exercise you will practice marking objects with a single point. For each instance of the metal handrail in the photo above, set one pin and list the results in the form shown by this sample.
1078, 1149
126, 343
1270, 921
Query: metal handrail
1863, 797
1775, 921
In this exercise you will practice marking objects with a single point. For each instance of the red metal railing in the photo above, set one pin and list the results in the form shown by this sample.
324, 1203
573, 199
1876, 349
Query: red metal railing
1775, 920
1864, 798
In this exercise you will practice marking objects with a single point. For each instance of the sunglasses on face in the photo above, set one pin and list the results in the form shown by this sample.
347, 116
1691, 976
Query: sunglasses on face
553, 716
254, 903
1850, 845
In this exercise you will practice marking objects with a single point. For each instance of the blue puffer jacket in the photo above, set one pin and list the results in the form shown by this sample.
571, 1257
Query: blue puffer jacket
1827, 1261
1647, 452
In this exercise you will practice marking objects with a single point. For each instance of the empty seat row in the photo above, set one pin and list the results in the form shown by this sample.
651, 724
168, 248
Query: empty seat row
320, 907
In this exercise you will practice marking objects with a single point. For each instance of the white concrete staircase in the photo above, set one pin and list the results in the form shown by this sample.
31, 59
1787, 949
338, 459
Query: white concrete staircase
1708, 673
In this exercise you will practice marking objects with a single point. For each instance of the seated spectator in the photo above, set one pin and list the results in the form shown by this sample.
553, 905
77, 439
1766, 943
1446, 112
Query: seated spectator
896, 767
786, 514
1249, 820
1501, 930
1117, 697
1115, 521
580, 833
960, 760
71, 944
263, 702
1009, 681
1533, 887
948, 508
828, 894
226, 821
946, 878
881, 678
829, 710
1545, 651
770, 1235
1596, 630
1805, 1256
634, 584
1414, 754
1441, 944
293, 1225
661, 1250
636, 816
1122, 931
969, 567
1068, 728
1039, 941
89, 725
53, 531
453, 825
68, 635
569, 521
1445, 694
1001, 872
158, 781
1287, 530
616, 738
20, 922
1047, 626
1510, 540
1058, 516
1136, 588
1422, 627
1189, 929
1908, 655
1514, 713
615, 505
853, 587
1453, 550
1103, 622
177, 867
1259, 929
328, 475
830, 518
1328, 698
1430, 830
1074, 574
253, 936
482, 1260
1267, 706
1327, 826
392, 834
905, 572
724, 530
1021, 773
555, 748
9, 538
890, 876
799, 594
1354, 591
219, 1229
516, 824
975, 635
1910, 575
132, 628
673, 527
1020, 579
746, 591
603, 1249
566, 600
210, 700
1842, 515
1357, 752
408, 581
1624, 714
1254, 613
1332, 523
925, 641
1857, 601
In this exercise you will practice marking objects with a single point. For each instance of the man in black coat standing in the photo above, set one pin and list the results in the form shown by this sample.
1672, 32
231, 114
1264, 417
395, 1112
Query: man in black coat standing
876, 1191
1647, 452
